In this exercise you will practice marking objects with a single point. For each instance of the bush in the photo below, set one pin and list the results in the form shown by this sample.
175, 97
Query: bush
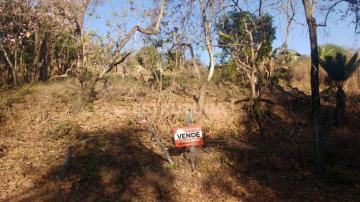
230, 73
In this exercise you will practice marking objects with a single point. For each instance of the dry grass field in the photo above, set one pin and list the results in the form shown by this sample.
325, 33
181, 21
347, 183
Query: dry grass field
52, 148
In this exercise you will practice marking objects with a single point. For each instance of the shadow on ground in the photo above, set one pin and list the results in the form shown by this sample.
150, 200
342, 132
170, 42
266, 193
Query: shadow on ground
275, 161
106, 166
271, 161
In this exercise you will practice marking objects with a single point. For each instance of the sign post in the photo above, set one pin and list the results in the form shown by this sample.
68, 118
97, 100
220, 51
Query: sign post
192, 147
189, 137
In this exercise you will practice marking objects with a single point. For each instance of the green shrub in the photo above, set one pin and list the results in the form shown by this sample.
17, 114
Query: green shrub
228, 72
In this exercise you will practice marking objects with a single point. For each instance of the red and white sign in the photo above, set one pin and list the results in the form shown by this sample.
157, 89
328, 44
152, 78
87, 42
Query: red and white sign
188, 136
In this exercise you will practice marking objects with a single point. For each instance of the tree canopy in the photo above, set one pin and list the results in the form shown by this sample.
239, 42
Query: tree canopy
233, 30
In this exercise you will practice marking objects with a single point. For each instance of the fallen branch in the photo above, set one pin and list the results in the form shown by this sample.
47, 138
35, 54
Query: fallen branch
238, 101
157, 138
158, 141
63, 75
68, 157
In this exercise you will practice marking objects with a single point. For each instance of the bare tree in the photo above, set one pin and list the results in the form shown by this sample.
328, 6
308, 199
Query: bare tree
309, 7
207, 12
289, 11
118, 56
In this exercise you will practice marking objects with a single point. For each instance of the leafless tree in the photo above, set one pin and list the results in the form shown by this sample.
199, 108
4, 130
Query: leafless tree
118, 56
207, 13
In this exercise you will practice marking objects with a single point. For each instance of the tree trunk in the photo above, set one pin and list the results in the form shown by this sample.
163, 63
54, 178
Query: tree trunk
202, 95
15, 69
10, 64
44, 58
252, 86
315, 94
206, 23
23, 68
13, 72
9, 75
340, 105
36, 62
252, 82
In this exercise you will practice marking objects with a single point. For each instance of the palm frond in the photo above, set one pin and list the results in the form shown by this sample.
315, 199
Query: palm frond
353, 59
328, 64
338, 67
352, 65
327, 52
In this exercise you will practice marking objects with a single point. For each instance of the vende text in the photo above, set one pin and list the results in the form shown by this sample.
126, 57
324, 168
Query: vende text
188, 136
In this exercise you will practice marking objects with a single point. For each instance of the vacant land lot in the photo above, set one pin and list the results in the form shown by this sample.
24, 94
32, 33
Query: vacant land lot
54, 149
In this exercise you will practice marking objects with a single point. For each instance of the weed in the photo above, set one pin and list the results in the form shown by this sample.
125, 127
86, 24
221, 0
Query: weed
130, 122
104, 143
108, 175
220, 136
169, 167
24, 91
226, 161
167, 81
89, 106
62, 129
233, 134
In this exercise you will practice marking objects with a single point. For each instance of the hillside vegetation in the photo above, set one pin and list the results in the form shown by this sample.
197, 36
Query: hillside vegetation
113, 157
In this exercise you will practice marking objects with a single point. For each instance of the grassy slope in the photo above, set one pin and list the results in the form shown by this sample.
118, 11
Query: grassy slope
113, 158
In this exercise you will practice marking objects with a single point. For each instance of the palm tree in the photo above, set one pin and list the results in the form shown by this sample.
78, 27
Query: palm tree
339, 68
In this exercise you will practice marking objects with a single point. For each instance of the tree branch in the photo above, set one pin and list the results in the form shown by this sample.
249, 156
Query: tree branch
323, 24
127, 37
6, 55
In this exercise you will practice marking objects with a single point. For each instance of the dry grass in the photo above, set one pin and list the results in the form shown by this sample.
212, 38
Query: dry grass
353, 84
113, 158
40, 121
299, 76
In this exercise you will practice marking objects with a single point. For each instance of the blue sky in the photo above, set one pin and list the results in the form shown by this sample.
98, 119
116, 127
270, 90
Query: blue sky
338, 31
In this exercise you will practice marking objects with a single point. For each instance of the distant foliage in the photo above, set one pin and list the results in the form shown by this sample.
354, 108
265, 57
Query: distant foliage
228, 72
148, 57
36, 39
